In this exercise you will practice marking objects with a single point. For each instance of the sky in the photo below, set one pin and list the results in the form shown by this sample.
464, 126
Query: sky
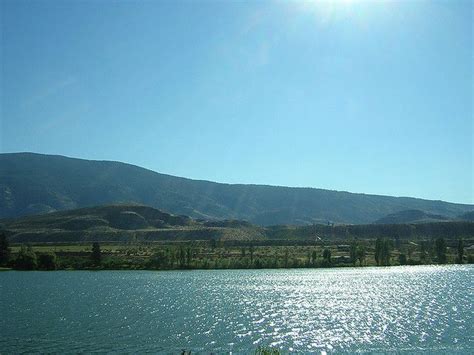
372, 97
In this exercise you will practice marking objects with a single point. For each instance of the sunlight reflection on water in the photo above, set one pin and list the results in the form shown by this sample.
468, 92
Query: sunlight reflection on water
353, 309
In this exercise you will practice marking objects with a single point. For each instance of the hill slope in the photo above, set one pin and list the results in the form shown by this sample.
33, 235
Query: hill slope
411, 216
35, 183
121, 223
136, 223
468, 216
122, 216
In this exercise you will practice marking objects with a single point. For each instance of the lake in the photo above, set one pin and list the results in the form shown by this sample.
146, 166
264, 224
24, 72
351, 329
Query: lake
413, 308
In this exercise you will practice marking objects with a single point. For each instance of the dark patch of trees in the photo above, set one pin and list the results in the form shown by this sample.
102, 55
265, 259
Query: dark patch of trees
357, 252
425, 251
460, 252
4, 249
440, 248
327, 261
402, 259
383, 248
47, 261
26, 259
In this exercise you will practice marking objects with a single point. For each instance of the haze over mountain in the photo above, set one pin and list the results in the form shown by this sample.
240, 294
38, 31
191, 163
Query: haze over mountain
34, 183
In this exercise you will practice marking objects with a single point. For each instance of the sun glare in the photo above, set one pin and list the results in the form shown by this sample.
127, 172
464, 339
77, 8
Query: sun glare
327, 12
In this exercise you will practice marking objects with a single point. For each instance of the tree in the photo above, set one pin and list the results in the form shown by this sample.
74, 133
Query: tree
96, 255
264, 350
353, 252
378, 251
386, 250
181, 257
460, 257
47, 261
4, 249
440, 248
285, 258
171, 253
313, 257
410, 250
26, 259
402, 258
160, 259
424, 255
189, 256
382, 251
360, 254
326, 257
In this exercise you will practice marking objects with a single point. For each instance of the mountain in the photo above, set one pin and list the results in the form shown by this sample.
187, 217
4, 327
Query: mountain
35, 183
412, 216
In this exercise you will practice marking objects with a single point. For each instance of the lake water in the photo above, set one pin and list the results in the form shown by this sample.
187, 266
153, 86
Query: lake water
415, 309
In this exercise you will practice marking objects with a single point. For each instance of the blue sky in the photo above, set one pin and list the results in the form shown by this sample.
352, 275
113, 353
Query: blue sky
372, 97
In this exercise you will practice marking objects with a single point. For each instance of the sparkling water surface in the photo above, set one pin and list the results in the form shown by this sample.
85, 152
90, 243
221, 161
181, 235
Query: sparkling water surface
414, 309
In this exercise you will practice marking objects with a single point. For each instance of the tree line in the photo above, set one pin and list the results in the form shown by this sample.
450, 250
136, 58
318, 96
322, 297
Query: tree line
215, 255
28, 259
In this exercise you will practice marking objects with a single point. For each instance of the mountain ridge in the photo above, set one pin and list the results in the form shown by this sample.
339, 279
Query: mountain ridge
31, 183
233, 184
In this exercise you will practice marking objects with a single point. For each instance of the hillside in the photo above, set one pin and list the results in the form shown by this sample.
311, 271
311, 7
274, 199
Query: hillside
137, 223
121, 223
412, 216
468, 216
125, 217
34, 183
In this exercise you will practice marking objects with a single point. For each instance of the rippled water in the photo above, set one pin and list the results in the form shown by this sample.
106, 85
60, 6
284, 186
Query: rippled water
426, 308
